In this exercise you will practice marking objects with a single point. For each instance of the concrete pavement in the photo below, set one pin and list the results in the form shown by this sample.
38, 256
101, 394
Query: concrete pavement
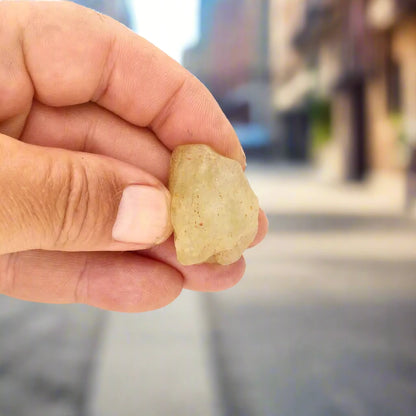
156, 364
46, 356
324, 322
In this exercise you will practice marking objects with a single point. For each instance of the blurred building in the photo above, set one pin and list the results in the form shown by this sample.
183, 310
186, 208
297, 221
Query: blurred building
394, 23
345, 70
335, 42
232, 59
291, 79
198, 58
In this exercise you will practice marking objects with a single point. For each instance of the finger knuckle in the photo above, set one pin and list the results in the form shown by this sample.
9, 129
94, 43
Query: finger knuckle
86, 205
72, 203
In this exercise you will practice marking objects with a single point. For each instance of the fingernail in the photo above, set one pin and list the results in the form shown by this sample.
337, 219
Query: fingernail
243, 157
143, 215
239, 154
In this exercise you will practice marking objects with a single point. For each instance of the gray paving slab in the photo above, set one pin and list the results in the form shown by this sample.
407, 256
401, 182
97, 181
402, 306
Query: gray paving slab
324, 322
319, 359
156, 364
46, 353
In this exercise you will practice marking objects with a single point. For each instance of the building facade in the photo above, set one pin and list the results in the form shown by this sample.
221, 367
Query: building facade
232, 58
291, 79
358, 57
330, 78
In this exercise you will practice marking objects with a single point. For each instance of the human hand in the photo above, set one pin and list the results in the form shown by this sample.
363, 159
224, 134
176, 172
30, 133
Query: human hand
89, 114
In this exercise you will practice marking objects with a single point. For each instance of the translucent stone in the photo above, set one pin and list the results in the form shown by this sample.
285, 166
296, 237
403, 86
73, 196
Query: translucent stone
214, 211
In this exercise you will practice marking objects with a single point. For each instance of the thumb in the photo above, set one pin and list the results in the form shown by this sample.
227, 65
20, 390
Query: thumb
55, 199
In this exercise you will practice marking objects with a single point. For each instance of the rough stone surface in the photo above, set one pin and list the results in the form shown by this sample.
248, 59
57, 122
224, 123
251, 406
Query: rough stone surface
214, 211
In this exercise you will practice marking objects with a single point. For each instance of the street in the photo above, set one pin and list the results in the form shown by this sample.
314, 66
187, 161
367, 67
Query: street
323, 323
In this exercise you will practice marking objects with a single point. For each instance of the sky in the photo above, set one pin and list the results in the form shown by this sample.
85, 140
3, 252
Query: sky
171, 25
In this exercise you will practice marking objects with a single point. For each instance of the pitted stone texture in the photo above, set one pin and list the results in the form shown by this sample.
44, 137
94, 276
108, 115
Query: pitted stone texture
214, 211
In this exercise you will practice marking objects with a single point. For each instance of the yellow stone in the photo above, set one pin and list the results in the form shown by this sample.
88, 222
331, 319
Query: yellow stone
214, 211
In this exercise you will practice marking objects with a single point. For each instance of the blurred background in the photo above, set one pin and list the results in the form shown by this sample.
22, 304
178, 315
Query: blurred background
322, 94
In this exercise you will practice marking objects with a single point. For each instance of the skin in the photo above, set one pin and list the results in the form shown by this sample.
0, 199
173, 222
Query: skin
80, 93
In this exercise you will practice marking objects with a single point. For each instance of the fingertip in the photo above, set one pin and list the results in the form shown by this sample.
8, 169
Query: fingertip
263, 227
200, 277
240, 156
213, 277
237, 152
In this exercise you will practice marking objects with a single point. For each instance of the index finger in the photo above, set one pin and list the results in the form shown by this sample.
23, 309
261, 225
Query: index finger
73, 55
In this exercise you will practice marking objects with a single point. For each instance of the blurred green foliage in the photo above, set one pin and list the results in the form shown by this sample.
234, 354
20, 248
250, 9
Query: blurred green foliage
397, 120
319, 111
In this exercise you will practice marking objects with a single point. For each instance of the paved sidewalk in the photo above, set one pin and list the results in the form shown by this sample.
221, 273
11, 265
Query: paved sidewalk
46, 354
156, 364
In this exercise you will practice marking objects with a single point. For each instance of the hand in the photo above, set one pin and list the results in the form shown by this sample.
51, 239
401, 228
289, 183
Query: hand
89, 114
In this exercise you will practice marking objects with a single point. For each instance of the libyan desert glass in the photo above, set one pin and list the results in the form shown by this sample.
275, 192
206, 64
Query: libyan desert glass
214, 211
